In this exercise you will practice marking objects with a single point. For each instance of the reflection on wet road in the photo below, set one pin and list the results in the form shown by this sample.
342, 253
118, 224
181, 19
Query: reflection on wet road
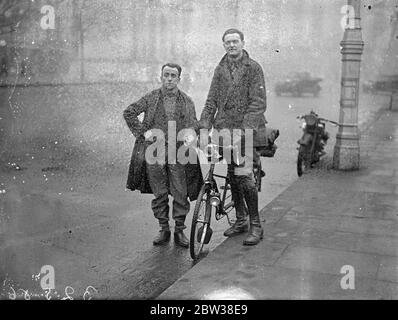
57, 210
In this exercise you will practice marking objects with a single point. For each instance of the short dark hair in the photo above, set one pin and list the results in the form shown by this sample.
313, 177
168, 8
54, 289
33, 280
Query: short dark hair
173, 65
231, 31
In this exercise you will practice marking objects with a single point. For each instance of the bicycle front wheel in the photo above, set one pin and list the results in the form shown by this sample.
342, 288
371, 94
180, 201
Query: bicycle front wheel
200, 229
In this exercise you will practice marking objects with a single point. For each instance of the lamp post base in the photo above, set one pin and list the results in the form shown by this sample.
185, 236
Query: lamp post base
346, 157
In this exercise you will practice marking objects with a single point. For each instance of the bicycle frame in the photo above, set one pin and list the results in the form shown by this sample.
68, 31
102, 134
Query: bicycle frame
209, 196
221, 209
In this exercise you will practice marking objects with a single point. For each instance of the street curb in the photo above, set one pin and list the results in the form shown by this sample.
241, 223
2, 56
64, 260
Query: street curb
372, 119
275, 210
326, 164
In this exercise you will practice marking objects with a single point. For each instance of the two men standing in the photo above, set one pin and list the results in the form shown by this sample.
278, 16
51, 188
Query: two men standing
236, 100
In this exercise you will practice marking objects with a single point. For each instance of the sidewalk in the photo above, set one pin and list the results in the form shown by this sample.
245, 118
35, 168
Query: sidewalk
325, 220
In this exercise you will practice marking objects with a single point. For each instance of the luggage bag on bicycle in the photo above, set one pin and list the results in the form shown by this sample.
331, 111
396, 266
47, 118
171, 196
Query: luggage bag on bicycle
264, 141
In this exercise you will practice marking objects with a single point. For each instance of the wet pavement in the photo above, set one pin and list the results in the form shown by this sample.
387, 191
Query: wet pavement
330, 235
65, 205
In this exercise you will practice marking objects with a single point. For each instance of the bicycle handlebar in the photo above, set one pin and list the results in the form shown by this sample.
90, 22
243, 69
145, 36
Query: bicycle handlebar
331, 121
321, 119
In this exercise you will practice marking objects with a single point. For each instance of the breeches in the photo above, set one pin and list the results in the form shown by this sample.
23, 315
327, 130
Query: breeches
243, 187
166, 179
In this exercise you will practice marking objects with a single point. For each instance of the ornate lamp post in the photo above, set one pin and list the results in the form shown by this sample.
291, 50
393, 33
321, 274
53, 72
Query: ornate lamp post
346, 150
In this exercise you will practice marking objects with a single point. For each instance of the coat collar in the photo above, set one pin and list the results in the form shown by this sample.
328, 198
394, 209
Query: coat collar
166, 92
239, 75
159, 94
245, 59
180, 100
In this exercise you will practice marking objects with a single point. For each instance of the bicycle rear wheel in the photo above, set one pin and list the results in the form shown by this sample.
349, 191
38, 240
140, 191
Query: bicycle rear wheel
200, 229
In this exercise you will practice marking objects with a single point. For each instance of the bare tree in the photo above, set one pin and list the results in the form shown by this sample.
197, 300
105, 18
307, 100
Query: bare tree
16, 15
94, 17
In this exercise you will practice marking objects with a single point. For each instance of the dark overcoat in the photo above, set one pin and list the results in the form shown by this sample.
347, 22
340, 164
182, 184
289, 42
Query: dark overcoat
239, 102
155, 117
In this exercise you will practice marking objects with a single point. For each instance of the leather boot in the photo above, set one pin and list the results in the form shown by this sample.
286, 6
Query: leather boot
240, 224
180, 239
256, 231
162, 238
256, 234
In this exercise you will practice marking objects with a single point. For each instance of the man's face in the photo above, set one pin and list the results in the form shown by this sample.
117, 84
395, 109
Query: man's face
233, 45
169, 78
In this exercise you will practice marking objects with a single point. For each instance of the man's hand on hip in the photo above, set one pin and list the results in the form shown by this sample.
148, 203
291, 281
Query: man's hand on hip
189, 136
148, 135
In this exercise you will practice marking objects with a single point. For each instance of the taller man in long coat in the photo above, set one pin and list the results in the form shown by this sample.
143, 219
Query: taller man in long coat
171, 177
237, 100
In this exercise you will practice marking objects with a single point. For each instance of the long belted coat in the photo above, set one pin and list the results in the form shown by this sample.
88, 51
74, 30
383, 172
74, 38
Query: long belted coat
155, 117
237, 102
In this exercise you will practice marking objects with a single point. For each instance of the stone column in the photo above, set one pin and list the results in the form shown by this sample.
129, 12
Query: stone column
346, 150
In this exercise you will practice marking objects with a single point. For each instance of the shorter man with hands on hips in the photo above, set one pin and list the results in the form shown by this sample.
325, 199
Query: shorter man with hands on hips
163, 105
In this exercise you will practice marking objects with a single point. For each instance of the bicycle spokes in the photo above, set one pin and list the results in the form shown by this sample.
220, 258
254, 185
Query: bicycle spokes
200, 229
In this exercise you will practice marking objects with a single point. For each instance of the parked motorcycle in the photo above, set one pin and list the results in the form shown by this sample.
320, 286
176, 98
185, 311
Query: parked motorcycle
313, 141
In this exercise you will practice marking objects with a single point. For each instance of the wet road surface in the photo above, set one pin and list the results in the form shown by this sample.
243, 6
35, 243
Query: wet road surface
55, 211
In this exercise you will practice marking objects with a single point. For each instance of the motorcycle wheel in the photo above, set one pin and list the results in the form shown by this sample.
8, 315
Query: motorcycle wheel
301, 158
